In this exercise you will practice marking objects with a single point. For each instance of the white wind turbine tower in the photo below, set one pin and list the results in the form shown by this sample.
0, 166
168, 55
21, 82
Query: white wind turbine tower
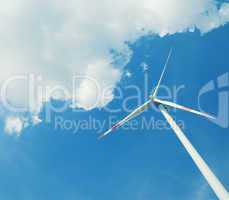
164, 106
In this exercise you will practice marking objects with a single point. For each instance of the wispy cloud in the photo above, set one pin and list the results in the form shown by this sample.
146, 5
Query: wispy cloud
14, 125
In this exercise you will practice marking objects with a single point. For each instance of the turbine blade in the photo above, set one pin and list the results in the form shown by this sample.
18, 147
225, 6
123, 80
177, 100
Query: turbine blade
162, 74
103, 135
133, 114
180, 107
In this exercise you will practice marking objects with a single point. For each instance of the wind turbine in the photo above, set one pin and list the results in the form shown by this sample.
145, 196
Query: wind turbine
164, 106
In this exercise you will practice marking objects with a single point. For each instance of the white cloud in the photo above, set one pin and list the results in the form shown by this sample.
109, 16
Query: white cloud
58, 39
96, 89
36, 120
128, 74
214, 18
14, 125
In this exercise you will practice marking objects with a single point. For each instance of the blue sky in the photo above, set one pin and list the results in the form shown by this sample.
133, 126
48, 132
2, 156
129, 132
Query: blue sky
61, 158
49, 163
